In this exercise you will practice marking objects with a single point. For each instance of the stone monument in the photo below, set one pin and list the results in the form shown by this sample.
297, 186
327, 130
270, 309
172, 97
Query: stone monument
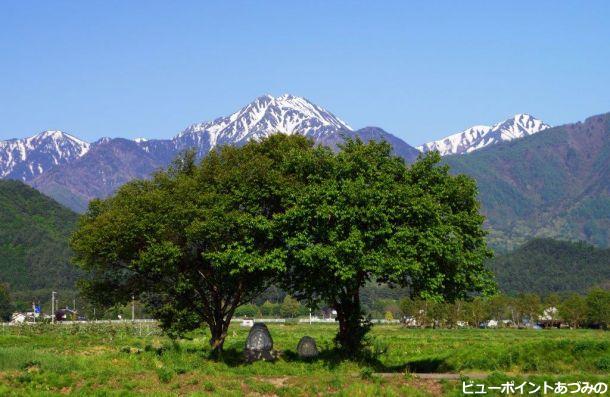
307, 347
259, 345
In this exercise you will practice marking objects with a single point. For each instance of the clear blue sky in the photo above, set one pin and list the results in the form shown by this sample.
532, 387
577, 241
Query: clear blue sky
418, 70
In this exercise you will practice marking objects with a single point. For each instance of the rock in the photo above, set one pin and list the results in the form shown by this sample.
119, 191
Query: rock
307, 347
259, 338
259, 345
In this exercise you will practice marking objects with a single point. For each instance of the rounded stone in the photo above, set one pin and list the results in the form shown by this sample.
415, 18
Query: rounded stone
307, 347
259, 338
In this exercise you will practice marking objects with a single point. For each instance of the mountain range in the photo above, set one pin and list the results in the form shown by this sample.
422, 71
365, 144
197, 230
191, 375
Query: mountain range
74, 172
480, 136
534, 180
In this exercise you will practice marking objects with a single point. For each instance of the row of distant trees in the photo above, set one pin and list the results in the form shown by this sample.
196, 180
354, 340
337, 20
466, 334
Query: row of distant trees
288, 308
574, 310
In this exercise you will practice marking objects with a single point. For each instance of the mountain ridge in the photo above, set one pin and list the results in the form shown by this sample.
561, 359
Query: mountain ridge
111, 162
480, 136
26, 158
551, 182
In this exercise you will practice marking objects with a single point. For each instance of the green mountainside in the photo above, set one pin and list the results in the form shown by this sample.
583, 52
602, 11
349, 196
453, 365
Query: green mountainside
545, 266
34, 251
555, 184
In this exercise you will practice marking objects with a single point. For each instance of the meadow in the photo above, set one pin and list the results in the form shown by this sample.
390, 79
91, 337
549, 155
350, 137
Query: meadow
126, 359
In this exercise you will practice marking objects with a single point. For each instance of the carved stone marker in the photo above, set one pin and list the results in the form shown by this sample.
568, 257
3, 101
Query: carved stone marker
259, 345
307, 347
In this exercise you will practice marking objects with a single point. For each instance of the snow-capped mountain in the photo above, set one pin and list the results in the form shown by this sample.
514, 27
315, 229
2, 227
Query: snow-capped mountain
479, 136
27, 158
265, 115
113, 162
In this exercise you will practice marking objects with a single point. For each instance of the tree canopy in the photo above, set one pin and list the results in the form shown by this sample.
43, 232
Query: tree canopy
367, 217
196, 241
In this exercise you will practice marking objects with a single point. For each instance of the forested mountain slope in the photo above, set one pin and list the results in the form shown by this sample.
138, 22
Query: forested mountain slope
555, 184
34, 232
546, 265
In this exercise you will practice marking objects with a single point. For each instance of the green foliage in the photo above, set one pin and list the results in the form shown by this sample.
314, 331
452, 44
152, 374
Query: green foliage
527, 309
165, 375
366, 217
383, 306
269, 309
34, 253
598, 307
546, 265
573, 310
476, 311
6, 306
290, 307
249, 310
529, 305
196, 241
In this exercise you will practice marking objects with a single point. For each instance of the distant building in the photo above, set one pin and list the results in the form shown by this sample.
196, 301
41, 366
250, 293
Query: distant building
25, 317
66, 314
550, 318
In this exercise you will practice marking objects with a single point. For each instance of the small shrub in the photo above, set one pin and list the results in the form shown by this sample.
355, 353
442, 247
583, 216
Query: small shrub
165, 375
30, 365
209, 386
603, 364
336, 383
366, 373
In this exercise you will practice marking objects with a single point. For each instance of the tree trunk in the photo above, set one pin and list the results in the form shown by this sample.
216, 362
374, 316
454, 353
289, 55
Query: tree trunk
219, 330
219, 334
352, 328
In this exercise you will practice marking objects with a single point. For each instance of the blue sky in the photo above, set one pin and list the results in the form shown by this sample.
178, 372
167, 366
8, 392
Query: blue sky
420, 70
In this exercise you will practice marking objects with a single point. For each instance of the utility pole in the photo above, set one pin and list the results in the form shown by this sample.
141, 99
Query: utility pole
133, 308
53, 307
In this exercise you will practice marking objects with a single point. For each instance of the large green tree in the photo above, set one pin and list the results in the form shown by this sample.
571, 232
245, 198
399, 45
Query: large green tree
366, 216
198, 240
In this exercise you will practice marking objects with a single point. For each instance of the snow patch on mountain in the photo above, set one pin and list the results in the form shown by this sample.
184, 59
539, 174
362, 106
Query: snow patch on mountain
266, 115
480, 136
29, 157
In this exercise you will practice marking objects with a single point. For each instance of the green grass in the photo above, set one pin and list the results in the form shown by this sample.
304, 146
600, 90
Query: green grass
116, 360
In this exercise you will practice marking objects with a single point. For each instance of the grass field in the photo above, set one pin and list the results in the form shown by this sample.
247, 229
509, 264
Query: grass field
124, 360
